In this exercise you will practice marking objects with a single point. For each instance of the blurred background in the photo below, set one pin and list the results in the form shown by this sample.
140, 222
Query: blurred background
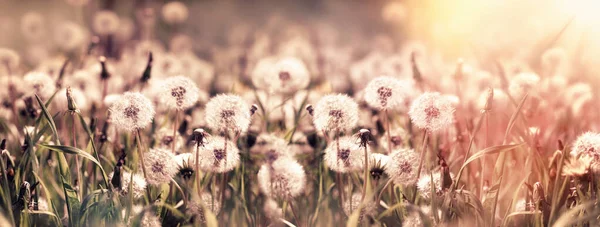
489, 31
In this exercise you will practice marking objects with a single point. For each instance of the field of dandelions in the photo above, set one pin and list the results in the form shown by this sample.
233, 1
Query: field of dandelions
119, 120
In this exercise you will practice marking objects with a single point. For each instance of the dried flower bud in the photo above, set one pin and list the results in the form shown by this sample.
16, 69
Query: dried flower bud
489, 100
104, 74
200, 137
148, 71
310, 109
560, 145
72, 106
253, 109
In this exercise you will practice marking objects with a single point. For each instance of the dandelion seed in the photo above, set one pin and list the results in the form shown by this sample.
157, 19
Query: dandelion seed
368, 209
132, 111
138, 185
387, 93
523, 83
175, 12
226, 113
335, 113
402, 166
161, 166
39, 83
282, 179
348, 157
218, 155
105, 22
432, 112
179, 92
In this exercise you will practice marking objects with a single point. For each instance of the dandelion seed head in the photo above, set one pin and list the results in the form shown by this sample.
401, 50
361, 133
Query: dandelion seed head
523, 83
138, 184
105, 22
402, 166
335, 113
10, 58
368, 209
226, 112
175, 12
33, 26
195, 209
132, 111
397, 136
431, 111
164, 139
272, 210
126, 29
161, 166
218, 155
587, 144
179, 92
387, 93
272, 147
348, 157
39, 83
69, 36
282, 76
283, 179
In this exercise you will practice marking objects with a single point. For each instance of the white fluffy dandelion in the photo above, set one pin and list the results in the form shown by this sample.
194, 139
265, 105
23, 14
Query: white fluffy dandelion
105, 22
226, 112
196, 209
179, 92
587, 144
132, 111
138, 184
348, 157
39, 83
69, 36
160, 166
283, 76
387, 93
402, 166
218, 155
164, 139
9, 58
272, 146
335, 113
272, 210
175, 12
369, 208
431, 111
283, 179
522, 83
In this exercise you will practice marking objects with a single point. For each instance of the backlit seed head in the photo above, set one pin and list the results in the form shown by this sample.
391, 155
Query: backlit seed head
282, 179
161, 166
218, 155
335, 113
387, 93
402, 166
227, 113
432, 112
132, 111
179, 92
348, 157
39, 83
138, 184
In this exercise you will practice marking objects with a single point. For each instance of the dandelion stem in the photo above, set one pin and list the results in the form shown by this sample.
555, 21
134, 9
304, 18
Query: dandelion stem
366, 172
424, 150
294, 213
141, 154
77, 164
388, 129
174, 139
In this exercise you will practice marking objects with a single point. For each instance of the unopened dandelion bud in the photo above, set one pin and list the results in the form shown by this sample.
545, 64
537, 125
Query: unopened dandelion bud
365, 137
104, 74
560, 145
489, 100
148, 71
3, 145
200, 136
116, 178
310, 109
72, 106
253, 109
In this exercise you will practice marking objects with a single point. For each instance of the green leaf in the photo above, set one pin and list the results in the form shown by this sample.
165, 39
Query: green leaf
73, 150
62, 161
91, 136
488, 151
73, 203
569, 218
353, 220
